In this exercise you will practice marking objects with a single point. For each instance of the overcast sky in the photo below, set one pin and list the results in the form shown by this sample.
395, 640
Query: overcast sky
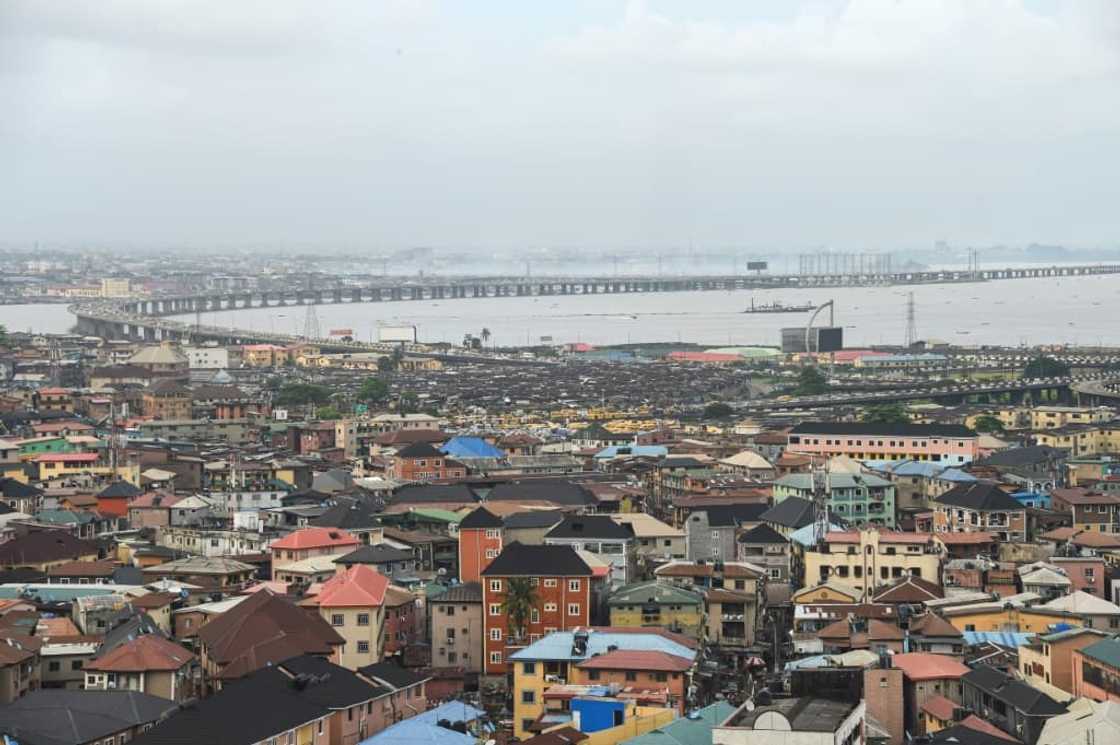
367, 124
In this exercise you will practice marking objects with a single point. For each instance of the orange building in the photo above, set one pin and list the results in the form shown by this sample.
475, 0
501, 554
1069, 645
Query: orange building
422, 462
480, 542
561, 582
638, 670
308, 543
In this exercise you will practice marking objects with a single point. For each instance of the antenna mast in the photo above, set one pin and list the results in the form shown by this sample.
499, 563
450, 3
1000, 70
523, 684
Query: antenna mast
911, 325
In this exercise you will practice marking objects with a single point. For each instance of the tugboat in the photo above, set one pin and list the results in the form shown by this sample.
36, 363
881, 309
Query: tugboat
778, 307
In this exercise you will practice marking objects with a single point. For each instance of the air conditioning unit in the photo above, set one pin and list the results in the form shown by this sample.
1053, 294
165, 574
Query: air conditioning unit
551, 678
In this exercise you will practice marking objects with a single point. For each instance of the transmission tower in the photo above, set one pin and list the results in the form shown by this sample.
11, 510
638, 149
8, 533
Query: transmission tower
311, 323
911, 325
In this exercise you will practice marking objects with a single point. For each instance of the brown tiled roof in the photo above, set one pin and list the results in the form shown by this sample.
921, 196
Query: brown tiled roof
940, 707
909, 589
931, 624
145, 652
622, 659
877, 630
83, 569
154, 600
562, 736
264, 629
928, 666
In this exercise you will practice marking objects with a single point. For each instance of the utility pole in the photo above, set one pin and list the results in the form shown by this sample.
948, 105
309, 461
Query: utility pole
911, 326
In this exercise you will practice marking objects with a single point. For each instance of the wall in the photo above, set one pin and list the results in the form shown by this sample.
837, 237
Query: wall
467, 645
350, 657
883, 691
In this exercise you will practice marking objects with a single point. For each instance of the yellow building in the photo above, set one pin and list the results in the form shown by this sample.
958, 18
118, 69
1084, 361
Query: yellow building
116, 287
1002, 616
660, 605
1054, 417
866, 559
63, 465
1082, 439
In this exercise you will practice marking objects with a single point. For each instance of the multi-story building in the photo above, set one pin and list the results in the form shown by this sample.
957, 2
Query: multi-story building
422, 462
353, 603
654, 541
457, 628
600, 535
980, 506
659, 604
1090, 510
560, 582
949, 444
480, 542
765, 547
1010, 704
867, 559
1048, 659
1055, 417
650, 659
307, 543
859, 498
1096, 671
711, 532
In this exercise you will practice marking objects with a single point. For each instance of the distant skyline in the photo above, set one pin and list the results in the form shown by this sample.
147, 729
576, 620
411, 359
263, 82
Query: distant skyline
767, 124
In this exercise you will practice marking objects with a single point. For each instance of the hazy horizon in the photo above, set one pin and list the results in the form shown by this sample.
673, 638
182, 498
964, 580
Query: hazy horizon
768, 126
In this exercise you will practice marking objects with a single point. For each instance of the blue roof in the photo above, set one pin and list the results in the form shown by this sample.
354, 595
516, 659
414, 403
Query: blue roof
558, 645
646, 451
925, 468
471, 447
1002, 638
806, 535
423, 728
54, 593
956, 474
695, 729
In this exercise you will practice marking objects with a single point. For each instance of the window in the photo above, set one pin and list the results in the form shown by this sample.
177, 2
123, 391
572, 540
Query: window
452, 656
76, 665
775, 574
54, 666
550, 583
363, 619
661, 677
495, 585
631, 675
492, 533
336, 619
363, 647
491, 553
495, 609
495, 635
534, 616
573, 609
450, 610
495, 658
528, 697
320, 726
592, 674
529, 668
573, 585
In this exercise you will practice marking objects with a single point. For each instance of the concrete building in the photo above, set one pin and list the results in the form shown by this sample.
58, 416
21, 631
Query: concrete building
859, 498
867, 559
457, 628
948, 444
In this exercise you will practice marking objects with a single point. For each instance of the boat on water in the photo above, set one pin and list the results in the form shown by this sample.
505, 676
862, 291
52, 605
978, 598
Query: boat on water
779, 307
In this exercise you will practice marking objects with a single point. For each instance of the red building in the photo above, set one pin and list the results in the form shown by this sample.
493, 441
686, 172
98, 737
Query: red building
400, 620
113, 499
561, 582
316, 437
480, 542
422, 462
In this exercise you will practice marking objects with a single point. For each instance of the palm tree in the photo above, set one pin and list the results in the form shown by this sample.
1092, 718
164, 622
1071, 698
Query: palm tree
521, 598
484, 335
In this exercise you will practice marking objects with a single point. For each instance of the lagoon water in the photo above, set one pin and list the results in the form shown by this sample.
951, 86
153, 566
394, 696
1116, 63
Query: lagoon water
1071, 310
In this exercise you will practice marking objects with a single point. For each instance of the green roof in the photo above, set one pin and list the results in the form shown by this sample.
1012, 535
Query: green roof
1106, 651
686, 730
656, 592
433, 513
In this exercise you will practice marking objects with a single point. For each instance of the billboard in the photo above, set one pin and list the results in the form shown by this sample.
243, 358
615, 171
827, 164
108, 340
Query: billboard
405, 334
342, 332
757, 266
821, 339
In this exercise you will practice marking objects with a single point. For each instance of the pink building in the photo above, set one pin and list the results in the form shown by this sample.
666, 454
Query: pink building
947, 444
1085, 573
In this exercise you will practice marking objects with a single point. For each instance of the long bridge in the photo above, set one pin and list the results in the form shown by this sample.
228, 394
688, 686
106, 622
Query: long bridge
454, 288
1067, 389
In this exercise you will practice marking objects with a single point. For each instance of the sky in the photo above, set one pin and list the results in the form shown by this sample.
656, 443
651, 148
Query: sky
766, 124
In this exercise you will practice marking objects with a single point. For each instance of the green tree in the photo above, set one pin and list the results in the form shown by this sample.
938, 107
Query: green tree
518, 604
810, 382
885, 414
300, 394
1045, 367
373, 390
718, 410
484, 335
329, 413
988, 423
408, 403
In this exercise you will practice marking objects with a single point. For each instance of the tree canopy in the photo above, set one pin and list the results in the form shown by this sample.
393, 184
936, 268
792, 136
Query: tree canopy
987, 423
718, 410
885, 414
300, 394
373, 390
1045, 367
810, 382
329, 413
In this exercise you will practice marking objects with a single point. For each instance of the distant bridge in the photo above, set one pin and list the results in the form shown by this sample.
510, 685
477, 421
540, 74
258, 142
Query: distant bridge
448, 288
1059, 390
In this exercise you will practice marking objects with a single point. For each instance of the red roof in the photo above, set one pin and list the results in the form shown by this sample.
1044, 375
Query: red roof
928, 666
704, 357
67, 458
954, 539
315, 538
940, 707
360, 586
982, 725
146, 652
155, 499
622, 659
